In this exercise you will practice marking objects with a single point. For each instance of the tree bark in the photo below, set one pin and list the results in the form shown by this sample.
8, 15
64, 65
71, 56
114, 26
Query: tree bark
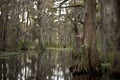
40, 24
105, 29
4, 18
90, 35
116, 38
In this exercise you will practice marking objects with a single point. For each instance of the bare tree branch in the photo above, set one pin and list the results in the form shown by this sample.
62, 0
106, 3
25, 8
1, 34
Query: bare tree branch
80, 5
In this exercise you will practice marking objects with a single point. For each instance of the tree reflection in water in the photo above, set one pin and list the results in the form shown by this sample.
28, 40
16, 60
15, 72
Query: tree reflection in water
33, 65
86, 77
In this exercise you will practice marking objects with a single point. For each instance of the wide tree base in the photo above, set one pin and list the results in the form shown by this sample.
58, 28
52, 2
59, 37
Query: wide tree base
77, 70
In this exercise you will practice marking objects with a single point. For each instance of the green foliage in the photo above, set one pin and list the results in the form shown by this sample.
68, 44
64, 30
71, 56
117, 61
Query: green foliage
106, 65
97, 8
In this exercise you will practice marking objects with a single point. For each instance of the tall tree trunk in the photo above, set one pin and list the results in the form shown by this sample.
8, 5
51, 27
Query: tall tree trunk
89, 60
110, 29
106, 16
4, 16
77, 37
24, 46
116, 38
76, 29
40, 24
90, 35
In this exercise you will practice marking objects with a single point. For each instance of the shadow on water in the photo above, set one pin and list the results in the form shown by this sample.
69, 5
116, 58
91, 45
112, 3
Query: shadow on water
33, 65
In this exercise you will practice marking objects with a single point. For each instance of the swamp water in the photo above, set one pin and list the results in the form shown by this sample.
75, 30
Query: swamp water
36, 65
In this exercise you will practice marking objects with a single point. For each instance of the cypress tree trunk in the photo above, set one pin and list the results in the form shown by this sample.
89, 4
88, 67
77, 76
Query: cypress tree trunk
40, 24
90, 36
105, 29
89, 61
116, 39
110, 29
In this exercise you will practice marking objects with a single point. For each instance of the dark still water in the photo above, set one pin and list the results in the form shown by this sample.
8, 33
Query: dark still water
36, 65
